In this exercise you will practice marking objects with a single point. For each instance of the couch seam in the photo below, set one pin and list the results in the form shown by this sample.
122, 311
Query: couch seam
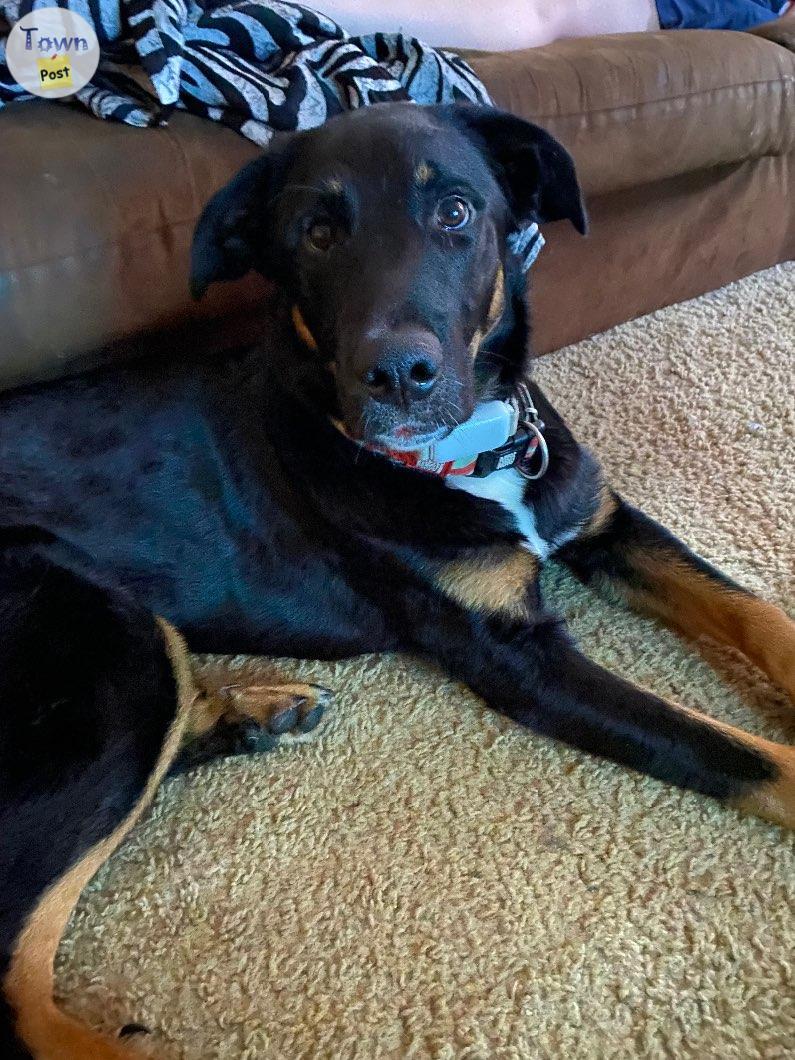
99, 246
785, 79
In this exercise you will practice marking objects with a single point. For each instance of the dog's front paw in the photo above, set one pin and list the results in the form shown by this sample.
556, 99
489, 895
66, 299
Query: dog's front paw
251, 718
289, 710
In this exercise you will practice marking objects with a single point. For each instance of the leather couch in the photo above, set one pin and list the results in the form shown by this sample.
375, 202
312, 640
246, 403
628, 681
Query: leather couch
685, 143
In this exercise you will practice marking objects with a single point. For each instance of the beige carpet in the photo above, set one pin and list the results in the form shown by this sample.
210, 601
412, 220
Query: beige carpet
425, 880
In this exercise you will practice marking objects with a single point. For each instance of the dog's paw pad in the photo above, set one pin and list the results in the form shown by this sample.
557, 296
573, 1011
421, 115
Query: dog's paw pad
313, 709
281, 710
250, 738
285, 721
129, 1029
312, 718
306, 714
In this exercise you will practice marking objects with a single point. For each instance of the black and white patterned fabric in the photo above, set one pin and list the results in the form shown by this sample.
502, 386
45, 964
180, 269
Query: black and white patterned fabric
258, 66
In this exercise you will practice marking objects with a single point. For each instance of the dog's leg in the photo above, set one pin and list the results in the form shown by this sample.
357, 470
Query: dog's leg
528, 668
628, 552
96, 698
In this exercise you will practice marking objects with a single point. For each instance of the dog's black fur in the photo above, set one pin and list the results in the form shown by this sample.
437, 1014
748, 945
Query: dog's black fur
221, 495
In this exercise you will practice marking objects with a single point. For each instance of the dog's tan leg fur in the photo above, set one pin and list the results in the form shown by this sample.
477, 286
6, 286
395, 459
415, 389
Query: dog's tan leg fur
772, 800
260, 702
49, 1033
660, 578
695, 604
498, 580
668, 587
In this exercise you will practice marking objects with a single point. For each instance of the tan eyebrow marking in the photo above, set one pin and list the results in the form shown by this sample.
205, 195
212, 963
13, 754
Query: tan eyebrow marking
423, 173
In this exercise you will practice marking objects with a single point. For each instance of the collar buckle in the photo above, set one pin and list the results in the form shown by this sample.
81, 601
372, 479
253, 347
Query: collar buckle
530, 420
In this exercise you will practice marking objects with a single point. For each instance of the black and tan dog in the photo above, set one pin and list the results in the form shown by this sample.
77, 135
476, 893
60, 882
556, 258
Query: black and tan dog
246, 502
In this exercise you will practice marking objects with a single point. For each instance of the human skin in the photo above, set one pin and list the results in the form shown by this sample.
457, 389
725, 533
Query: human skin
501, 25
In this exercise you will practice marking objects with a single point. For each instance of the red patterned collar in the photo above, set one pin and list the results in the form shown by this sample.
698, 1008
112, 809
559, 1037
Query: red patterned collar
498, 435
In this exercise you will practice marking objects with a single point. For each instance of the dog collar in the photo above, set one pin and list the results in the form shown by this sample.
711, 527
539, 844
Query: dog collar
498, 435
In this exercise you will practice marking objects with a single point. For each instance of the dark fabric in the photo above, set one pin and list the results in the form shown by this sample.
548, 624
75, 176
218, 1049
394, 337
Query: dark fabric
717, 14
258, 66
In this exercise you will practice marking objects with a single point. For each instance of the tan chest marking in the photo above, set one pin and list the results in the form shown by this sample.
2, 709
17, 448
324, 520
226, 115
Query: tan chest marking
302, 329
605, 510
490, 580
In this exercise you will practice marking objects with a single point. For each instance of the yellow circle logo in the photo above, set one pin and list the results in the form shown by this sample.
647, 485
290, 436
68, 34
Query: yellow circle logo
52, 53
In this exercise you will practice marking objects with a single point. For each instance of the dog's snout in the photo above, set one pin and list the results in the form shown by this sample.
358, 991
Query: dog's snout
402, 368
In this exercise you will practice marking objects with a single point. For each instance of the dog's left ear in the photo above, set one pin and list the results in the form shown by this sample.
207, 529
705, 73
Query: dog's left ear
536, 172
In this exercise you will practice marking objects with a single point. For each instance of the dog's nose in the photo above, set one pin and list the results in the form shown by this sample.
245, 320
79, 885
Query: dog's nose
408, 375
407, 370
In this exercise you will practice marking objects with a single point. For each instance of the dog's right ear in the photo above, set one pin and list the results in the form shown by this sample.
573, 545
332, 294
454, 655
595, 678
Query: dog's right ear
234, 233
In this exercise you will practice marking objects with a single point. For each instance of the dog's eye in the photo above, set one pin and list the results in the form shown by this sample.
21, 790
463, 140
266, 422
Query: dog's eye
321, 236
452, 213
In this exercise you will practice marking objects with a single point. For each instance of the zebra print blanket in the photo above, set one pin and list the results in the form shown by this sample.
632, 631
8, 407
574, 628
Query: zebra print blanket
258, 66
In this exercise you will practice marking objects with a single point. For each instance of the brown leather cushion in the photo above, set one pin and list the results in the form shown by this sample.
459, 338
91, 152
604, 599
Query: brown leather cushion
641, 107
97, 220
97, 217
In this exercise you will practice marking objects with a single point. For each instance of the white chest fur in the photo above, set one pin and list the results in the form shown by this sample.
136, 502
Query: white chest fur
507, 488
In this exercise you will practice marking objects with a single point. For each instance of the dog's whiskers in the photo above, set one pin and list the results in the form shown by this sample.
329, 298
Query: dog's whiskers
364, 423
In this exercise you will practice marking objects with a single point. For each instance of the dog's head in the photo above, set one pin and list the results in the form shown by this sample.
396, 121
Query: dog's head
388, 228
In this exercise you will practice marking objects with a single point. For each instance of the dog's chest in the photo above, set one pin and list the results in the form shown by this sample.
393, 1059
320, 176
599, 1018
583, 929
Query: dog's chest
507, 489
